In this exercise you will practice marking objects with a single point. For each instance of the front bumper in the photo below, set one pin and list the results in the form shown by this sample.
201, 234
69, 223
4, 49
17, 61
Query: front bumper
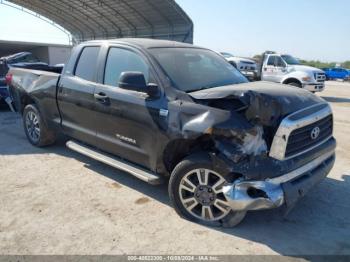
286, 189
250, 74
314, 87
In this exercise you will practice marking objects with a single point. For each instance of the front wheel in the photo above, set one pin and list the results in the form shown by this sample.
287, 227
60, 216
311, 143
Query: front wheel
196, 192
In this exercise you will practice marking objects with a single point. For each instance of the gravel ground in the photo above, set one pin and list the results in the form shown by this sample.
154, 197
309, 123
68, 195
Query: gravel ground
54, 201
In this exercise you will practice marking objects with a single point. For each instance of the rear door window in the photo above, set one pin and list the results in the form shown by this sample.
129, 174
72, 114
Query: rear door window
28, 59
87, 64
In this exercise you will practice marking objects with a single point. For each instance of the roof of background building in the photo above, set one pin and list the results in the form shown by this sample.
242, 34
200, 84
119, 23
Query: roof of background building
106, 19
11, 47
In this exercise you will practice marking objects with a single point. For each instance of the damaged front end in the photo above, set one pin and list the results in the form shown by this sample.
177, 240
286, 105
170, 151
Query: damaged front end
285, 189
243, 125
254, 195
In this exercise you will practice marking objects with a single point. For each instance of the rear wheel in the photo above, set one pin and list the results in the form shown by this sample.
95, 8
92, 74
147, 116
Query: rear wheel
196, 192
36, 130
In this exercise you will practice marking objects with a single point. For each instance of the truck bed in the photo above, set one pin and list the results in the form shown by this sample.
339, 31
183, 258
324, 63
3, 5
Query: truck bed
38, 87
29, 80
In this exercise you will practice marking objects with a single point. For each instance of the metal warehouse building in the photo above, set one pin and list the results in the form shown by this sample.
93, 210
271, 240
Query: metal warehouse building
105, 19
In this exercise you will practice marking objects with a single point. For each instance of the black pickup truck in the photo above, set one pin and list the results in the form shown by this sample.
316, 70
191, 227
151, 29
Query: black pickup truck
158, 109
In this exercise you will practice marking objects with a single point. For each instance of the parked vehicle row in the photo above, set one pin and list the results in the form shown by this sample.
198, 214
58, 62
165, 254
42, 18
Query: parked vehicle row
286, 69
158, 109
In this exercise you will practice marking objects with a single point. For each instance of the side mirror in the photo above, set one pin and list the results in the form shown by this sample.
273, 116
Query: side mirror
134, 81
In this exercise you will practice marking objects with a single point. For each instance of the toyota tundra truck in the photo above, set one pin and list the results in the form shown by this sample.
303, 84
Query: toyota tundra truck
167, 111
286, 69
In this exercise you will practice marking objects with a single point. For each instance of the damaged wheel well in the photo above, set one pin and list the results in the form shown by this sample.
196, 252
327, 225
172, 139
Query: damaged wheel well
179, 149
24, 100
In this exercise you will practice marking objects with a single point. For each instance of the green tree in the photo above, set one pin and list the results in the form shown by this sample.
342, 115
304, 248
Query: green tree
346, 64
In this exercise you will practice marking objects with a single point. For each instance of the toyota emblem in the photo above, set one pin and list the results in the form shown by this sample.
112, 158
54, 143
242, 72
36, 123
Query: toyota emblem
315, 133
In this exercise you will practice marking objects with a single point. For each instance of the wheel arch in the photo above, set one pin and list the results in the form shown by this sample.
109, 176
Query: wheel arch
23, 100
177, 150
292, 80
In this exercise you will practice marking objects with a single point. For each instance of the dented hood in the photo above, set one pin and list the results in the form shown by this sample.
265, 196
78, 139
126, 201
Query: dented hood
266, 102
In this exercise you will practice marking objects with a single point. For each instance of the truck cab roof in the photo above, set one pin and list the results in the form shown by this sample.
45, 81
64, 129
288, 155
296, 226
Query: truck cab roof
144, 43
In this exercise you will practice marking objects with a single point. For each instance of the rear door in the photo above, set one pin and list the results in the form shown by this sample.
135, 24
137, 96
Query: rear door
128, 123
76, 97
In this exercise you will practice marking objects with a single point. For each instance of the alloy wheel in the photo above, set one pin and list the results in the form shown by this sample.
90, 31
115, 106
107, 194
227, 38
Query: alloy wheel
32, 126
201, 194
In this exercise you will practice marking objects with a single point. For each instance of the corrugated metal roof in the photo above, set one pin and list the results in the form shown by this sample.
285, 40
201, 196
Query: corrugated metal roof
106, 19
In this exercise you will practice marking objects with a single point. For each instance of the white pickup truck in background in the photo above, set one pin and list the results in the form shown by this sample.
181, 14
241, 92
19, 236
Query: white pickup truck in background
246, 66
286, 69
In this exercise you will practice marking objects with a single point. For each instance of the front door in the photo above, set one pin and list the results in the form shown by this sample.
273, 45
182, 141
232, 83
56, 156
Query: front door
269, 70
280, 69
127, 121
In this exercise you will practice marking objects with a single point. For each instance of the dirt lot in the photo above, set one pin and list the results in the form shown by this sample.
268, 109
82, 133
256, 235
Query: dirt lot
54, 201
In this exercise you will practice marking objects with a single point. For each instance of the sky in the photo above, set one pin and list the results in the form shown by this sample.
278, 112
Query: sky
308, 29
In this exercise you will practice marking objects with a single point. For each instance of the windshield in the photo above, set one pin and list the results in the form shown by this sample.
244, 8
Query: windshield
192, 69
27, 58
227, 55
290, 60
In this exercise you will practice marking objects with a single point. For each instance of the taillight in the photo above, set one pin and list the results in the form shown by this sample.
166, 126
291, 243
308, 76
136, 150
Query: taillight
8, 79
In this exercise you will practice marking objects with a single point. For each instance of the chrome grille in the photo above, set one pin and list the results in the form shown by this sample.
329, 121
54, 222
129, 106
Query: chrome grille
320, 77
291, 138
301, 139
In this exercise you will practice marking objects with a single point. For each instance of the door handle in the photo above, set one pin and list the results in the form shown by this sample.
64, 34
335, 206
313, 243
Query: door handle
102, 98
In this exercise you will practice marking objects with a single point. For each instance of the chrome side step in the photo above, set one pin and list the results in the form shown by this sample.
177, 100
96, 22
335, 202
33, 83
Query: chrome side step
123, 165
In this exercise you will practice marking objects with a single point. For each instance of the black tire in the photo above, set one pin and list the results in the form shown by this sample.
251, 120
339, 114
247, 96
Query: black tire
296, 84
190, 164
36, 130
